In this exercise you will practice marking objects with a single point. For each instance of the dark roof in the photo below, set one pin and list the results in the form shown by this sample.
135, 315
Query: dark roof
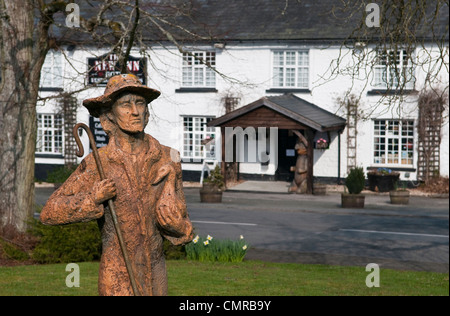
252, 20
293, 107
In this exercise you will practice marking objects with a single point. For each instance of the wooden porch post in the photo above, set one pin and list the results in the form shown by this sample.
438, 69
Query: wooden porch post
309, 133
223, 163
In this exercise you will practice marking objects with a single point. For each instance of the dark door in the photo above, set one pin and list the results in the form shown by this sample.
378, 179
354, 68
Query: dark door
287, 156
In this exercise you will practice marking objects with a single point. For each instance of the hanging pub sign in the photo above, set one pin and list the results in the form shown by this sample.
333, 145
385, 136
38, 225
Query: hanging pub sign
100, 69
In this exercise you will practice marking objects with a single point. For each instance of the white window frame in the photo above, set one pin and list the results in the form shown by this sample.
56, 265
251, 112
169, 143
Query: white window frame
390, 74
197, 72
194, 132
393, 142
52, 70
291, 69
50, 134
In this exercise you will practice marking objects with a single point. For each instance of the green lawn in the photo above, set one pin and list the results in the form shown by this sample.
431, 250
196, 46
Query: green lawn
238, 279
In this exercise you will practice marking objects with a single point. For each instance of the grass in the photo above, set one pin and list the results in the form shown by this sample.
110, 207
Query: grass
248, 278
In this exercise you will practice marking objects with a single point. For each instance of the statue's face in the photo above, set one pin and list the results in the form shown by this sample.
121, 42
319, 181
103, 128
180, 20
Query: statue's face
130, 113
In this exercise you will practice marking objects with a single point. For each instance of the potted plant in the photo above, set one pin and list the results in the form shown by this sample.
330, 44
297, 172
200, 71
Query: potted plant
382, 179
213, 186
321, 144
399, 195
354, 183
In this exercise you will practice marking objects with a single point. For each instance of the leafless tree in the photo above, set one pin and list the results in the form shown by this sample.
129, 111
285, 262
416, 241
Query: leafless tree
410, 37
29, 29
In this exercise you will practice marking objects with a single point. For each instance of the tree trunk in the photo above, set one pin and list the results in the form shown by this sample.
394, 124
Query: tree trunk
21, 62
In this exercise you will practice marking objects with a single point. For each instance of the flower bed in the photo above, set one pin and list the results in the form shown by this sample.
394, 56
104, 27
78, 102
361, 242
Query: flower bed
210, 249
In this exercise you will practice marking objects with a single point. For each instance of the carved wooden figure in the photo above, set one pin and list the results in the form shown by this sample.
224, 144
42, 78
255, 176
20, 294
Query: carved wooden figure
144, 181
300, 183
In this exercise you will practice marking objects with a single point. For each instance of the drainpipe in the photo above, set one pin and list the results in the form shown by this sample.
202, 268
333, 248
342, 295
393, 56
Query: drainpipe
339, 157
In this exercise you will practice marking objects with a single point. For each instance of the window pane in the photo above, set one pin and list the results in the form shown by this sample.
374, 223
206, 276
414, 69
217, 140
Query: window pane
303, 77
279, 77
48, 141
187, 59
290, 77
210, 78
195, 131
278, 59
397, 145
187, 77
392, 150
290, 59
50, 134
198, 76
303, 58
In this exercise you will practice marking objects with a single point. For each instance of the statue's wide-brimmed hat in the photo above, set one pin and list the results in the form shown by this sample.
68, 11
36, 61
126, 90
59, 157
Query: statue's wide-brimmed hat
115, 86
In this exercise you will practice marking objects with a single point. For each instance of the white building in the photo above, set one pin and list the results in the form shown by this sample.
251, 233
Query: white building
288, 54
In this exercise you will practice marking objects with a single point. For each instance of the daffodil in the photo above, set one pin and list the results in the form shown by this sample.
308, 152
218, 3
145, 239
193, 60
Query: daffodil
206, 242
242, 237
195, 240
245, 247
209, 238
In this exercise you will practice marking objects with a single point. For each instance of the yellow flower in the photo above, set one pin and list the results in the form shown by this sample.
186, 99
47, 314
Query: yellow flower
209, 238
206, 242
195, 240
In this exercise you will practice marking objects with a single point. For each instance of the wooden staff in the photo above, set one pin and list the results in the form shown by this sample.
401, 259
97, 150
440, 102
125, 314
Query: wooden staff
112, 209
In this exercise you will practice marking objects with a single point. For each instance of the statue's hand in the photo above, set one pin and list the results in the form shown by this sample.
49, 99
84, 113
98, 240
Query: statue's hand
169, 211
103, 191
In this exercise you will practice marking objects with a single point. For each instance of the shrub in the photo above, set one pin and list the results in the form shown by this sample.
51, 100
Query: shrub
216, 178
11, 251
172, 252
67, 243
60, 174
355, 180
209, 250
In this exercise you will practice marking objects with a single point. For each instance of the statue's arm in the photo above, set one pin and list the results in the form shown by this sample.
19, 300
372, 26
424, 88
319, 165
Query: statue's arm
75, 201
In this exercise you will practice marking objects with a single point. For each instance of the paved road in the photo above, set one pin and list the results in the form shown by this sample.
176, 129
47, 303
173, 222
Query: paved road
315, 229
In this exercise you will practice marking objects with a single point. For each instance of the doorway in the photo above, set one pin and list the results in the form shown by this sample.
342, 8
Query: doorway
287, 155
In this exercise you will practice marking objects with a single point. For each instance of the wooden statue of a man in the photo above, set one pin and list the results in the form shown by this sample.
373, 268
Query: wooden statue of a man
300, 183
145, 184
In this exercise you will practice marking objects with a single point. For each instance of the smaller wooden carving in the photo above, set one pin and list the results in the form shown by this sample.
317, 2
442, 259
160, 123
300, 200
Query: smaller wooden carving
299, 184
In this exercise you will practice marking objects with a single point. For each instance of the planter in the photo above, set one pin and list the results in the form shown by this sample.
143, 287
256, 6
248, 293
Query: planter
210, 194
399, 197
319, 189
382, 183
352, 200
322, 146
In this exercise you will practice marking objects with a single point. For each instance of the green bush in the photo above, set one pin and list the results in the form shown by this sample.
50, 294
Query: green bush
11, 251
60, 174
355, 180
209, 249
173, 252
67, 243
216, 178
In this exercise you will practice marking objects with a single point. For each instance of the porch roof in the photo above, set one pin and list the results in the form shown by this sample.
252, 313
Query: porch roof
289, 108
